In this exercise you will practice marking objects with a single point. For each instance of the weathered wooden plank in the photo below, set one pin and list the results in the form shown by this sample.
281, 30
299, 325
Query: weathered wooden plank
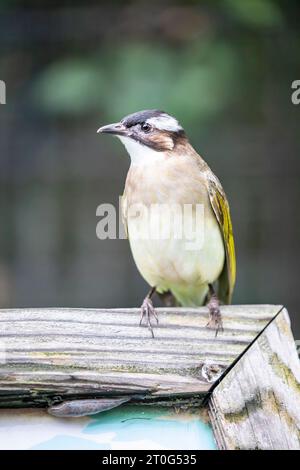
52, 354
257, 404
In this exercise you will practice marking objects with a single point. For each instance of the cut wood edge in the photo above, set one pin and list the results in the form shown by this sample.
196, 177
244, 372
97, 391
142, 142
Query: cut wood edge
256, 405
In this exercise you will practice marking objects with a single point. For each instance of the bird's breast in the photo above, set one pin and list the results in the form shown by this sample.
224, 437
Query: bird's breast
173, 233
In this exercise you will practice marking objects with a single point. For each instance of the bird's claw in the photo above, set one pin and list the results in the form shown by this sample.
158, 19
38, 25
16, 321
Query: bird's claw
147, 310
215, 317
215, 321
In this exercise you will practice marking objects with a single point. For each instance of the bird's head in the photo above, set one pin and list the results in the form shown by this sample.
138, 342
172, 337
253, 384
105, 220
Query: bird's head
147, 134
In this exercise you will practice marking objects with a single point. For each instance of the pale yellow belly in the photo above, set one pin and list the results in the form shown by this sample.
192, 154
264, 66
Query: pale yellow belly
181, 264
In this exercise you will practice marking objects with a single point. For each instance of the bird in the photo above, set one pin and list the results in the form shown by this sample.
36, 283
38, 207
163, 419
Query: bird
167, 172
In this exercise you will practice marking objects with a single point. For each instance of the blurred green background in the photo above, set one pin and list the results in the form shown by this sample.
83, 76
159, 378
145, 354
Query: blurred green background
223, 68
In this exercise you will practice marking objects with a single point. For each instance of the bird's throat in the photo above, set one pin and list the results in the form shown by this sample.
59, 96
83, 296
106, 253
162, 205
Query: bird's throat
141, 155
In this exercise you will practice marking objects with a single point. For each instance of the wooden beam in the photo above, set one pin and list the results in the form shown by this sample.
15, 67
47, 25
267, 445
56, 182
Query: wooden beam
257, 404
50, 355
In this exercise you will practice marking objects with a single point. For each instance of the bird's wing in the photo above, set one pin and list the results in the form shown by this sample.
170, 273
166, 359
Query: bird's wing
220, 207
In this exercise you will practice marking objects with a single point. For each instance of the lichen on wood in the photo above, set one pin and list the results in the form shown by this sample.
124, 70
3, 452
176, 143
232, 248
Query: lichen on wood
257, 404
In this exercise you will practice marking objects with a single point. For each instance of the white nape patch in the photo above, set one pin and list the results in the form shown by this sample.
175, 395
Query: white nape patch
140, 154
165, 122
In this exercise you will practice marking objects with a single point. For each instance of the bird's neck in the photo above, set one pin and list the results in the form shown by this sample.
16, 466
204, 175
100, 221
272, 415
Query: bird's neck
144, 156
175, 179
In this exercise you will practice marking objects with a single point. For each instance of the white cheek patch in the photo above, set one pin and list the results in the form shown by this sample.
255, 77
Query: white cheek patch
165, 122
141, 154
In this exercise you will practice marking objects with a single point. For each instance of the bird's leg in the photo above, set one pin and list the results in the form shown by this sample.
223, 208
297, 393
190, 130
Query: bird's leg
215, 318
147, 310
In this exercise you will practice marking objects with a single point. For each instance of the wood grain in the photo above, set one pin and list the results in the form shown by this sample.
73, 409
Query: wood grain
257, 404
53, 354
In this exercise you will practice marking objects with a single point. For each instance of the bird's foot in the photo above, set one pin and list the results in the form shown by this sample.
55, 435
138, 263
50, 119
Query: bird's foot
215, 317
147, 310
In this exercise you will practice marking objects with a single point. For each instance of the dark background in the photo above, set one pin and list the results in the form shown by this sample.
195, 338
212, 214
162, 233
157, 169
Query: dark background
223, 68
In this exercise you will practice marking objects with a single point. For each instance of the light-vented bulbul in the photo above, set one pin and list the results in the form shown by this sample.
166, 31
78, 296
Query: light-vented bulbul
166, 172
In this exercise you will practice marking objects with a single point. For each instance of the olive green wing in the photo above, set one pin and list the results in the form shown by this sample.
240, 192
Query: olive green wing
220, 207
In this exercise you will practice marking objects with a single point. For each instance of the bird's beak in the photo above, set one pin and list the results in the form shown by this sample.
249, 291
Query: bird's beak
116, 129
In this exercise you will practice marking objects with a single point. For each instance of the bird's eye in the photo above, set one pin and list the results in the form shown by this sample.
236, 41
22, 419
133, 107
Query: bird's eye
145, 127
